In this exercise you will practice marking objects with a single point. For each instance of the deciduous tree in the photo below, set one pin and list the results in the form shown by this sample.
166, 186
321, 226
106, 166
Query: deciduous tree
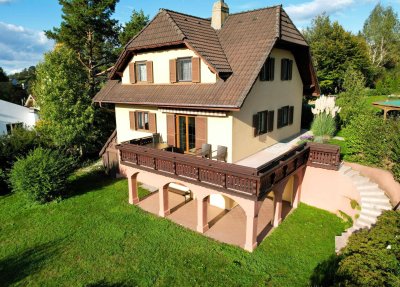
382, 32
334, 50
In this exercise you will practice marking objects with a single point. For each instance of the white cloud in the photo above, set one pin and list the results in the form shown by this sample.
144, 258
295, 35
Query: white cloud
5, 1
308, 10
21, 47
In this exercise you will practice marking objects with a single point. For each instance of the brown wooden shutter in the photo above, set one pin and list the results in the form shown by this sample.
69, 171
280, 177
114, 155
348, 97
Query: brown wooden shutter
152, 123
272, 69
172, 70
201, 131
196, 70
171, 136
280, 118
263, 74
283, 71
271, 118
132, 120
290, 69
255, 125
132, 74
291, 115
149, 69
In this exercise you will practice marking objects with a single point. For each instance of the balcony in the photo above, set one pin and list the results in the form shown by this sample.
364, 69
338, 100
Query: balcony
226, 177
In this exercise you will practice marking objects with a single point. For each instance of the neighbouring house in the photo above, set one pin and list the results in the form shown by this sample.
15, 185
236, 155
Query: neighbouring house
13, 116
196, 98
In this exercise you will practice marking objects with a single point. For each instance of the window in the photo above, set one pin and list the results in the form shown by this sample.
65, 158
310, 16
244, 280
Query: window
12, 127
263, 122
142, 120
141, 71
184, 69
285, 116
268, 70
286, 69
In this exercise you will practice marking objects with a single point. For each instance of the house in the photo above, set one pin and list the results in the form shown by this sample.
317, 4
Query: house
234, 82
13, 116
31, 102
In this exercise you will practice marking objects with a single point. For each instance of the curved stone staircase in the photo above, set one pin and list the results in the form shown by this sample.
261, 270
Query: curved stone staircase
373, 203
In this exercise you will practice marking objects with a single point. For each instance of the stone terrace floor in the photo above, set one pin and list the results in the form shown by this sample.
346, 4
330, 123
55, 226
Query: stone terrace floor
225, 226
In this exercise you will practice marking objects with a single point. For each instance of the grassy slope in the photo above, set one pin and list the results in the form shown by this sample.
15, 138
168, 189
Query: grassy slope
96, 238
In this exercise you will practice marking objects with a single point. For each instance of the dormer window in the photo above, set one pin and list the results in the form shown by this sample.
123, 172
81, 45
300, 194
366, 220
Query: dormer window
141, 72
184, 69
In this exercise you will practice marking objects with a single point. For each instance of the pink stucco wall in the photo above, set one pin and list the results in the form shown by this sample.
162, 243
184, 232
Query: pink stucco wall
329, 190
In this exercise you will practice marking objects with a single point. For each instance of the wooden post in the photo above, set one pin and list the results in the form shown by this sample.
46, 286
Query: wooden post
202, 216
164, 202
133, 190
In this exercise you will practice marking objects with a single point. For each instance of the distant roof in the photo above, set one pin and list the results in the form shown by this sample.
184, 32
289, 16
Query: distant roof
236, 53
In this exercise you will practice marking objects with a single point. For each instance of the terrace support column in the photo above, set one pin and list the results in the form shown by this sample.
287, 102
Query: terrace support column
133, 190
251, 226
278, 194
298, 183
164, 202
202, 218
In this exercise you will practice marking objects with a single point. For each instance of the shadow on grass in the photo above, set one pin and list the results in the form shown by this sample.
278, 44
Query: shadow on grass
17, 267
88, 182
325, 272
103, 283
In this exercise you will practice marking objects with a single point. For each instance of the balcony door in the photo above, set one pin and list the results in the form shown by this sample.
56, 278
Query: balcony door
186, 132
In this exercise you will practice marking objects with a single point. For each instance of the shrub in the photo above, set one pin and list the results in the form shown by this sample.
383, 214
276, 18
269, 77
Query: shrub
323, 125
371, 258
352, 101
42, 175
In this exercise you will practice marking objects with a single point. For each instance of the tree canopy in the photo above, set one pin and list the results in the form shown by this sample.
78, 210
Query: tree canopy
135, 25
65, 105
382, 33
3, 76
334, 50
87, 29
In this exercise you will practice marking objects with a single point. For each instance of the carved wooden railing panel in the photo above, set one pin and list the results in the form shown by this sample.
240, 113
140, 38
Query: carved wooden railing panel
230, 177
324, 156
235, 178
279, 171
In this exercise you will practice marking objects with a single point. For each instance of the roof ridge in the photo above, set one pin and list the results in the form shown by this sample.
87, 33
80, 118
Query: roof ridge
176, 26
254, 10
184, 14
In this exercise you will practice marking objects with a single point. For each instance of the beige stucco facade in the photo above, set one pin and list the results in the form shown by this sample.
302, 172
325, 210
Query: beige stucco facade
271, 95
235, 129
161, 65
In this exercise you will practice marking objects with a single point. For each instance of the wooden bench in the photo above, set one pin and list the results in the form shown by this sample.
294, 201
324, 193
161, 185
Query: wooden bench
181, 190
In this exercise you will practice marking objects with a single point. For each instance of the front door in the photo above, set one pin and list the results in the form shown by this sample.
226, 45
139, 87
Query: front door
186, 135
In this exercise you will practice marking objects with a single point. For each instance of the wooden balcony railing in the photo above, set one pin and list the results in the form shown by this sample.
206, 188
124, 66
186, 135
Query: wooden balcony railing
254, 182
214, 174
324, 156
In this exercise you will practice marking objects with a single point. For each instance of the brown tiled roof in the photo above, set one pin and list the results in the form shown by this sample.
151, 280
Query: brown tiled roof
244, 43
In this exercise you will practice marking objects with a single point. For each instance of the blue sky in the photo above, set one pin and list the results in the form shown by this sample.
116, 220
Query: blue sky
22, 42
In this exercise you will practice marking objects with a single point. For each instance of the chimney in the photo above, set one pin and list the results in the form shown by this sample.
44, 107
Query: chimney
220, 13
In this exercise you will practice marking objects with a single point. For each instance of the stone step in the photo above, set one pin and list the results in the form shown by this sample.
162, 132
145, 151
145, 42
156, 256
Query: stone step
367, 218
370, 199
340, 242
352, 173
359, 179
376, 205
371, 211
367, 195
367, 185
362, 224
371, 191
344, 169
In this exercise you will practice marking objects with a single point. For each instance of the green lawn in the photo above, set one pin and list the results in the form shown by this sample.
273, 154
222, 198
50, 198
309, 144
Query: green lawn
95, 238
